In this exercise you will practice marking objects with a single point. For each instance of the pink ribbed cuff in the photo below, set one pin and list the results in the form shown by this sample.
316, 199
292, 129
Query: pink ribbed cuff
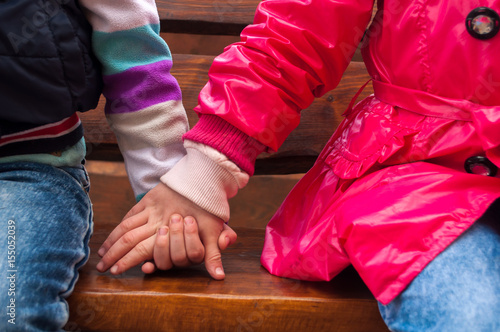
215, 132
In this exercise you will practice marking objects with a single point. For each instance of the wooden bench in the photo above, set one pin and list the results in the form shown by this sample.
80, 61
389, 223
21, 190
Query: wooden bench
249, 299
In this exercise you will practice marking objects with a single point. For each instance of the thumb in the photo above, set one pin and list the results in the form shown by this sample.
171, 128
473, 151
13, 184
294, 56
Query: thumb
213, 262
227, 237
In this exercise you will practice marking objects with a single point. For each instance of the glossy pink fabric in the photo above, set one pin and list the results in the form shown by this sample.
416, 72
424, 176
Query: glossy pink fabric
389, 191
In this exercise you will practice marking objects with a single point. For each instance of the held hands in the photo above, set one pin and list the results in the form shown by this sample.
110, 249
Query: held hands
154, 229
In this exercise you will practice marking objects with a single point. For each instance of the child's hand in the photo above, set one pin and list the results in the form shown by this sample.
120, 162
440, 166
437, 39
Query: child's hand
154, 229
185, 238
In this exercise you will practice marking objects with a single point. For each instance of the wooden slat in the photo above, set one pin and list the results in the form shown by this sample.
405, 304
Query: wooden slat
317, 122
221, 17
196, 44
249, 298
216, 17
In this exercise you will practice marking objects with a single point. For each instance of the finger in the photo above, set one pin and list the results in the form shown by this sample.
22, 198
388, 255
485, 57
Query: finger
148, 267
177, 245
161, 252
125, 244
213, 262
194, 247
227, 237
125, 226
141, 252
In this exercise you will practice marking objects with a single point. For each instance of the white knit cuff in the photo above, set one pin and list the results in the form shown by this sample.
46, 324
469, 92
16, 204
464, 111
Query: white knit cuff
203, 181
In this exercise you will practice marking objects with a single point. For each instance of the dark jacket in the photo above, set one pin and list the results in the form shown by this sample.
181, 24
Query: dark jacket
47, 72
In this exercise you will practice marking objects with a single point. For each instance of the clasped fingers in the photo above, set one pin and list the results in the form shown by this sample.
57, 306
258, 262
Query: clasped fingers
179, 244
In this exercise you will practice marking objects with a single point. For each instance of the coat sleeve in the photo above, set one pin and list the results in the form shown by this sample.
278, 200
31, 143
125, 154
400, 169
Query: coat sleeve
294, 51
143, 99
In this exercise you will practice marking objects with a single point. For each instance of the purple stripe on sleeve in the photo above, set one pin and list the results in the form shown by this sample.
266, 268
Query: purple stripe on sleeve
140, 87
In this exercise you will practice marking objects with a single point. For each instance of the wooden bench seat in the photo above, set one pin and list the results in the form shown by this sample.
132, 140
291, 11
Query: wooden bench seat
249, 299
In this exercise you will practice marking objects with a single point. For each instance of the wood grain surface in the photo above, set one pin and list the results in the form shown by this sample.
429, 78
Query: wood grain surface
249, 299
222, 17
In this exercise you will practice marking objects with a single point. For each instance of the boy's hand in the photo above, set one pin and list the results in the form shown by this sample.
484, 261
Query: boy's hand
154, 229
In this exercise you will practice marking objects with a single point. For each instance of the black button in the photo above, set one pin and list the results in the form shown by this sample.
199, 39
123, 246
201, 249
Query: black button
481, 166
483, 23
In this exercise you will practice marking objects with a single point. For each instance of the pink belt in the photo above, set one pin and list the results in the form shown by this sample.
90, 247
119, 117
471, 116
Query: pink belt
486, 119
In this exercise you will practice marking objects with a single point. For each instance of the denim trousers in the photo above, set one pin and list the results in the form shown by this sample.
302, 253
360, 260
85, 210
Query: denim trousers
459, 291
45, 226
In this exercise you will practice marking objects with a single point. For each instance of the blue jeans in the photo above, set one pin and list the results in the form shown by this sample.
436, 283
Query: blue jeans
459, 290
45, 226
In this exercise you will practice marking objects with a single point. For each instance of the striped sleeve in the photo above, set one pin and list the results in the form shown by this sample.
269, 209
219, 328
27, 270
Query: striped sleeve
143, 99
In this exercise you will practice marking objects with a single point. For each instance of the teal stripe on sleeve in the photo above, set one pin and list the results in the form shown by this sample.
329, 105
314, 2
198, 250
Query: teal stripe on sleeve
121, 50
139, 197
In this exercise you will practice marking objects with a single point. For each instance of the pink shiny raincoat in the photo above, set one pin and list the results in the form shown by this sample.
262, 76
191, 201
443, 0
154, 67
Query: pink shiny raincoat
389, 192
